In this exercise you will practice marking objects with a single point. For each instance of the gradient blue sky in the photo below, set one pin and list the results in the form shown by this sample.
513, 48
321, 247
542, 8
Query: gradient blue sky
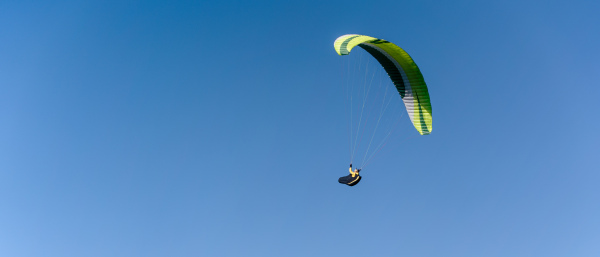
216, 128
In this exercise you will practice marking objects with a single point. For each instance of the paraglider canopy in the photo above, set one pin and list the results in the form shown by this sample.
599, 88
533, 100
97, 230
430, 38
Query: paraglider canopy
403, 72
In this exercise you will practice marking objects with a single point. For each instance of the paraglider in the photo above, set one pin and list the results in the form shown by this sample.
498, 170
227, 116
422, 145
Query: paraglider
407, 79
351, 179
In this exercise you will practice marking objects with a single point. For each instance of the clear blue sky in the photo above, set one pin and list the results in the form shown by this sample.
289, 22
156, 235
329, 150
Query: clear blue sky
216, 128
